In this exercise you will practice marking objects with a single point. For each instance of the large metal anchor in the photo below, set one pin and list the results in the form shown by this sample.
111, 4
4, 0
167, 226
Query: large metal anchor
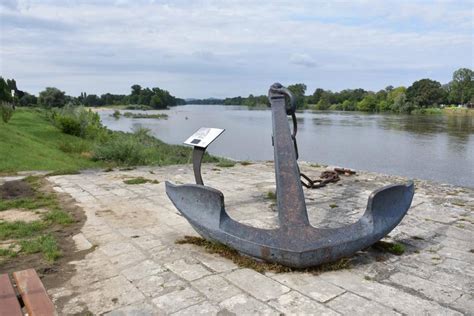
295, 243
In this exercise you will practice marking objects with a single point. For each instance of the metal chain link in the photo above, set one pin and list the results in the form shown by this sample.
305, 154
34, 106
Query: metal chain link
329, 176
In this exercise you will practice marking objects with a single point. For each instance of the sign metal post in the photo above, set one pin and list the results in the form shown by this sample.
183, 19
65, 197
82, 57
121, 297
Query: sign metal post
200, 140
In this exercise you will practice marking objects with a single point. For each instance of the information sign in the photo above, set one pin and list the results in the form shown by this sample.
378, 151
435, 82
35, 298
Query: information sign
203, 137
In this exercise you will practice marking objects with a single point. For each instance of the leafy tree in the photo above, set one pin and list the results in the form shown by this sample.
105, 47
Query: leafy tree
298, 91
396, 99
349, 105
324, 102
426, 93
157, 103
316, 96
368, 103
52, 97
113, 99
144, 96
5, 93
395, 92
136, 89
28, 100
462, 86
92, 100
12, 86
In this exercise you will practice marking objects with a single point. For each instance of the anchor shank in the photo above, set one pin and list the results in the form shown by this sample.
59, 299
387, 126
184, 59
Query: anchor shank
290, 197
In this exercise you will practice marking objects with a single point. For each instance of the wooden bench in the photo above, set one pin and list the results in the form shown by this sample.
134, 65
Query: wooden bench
31, 295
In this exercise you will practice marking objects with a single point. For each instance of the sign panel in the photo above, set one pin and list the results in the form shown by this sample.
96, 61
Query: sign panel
203, 137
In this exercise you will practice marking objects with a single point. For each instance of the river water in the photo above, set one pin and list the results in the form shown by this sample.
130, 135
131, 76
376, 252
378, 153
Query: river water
432, 147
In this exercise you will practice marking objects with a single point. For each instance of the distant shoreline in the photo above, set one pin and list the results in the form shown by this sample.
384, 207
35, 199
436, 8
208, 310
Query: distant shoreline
427, 111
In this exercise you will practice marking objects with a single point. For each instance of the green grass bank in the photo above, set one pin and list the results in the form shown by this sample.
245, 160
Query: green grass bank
32, 141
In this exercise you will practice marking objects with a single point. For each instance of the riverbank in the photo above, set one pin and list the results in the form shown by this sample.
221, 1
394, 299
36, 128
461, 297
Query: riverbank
132, 263
30, 141
452, 110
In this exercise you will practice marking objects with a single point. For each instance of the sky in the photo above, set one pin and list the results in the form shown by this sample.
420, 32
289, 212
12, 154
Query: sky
199, 49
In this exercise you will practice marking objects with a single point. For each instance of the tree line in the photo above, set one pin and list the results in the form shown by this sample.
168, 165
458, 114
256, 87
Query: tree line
422, 94
51, 97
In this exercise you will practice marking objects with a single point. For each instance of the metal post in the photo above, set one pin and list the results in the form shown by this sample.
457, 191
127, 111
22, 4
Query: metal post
198, 153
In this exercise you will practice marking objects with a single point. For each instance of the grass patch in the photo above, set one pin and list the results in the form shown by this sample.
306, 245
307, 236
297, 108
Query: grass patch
36, 236
137, 107
271, 195
8, 253
45, 244
144, 115
393, 248
246, 163
58, 216
454, 110
63, 172
140, 180
429, 111
30, 142
38, 200
225, 163
78, 147
259, 266
417, 238
19, 229
332, 205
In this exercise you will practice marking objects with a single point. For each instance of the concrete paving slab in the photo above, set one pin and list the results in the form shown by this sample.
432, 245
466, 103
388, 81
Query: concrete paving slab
137, 268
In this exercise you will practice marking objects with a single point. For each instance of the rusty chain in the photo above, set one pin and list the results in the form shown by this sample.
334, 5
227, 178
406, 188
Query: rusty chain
328, 176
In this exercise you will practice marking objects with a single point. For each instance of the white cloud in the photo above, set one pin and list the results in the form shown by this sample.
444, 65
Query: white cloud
302, 60
215, 48
9, 4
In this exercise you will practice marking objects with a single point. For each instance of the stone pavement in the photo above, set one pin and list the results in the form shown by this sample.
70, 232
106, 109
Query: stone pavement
136, 268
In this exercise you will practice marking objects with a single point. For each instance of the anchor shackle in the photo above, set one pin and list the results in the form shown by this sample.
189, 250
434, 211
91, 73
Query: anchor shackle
277, 90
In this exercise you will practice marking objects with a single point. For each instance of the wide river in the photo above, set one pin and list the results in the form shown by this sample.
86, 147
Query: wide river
432, 147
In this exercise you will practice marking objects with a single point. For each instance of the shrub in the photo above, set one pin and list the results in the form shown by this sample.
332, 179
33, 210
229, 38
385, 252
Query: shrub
77, 121
69, 125
140, 148
122, 149
6, 111
74, 147
116, 114
335, 107
431, 111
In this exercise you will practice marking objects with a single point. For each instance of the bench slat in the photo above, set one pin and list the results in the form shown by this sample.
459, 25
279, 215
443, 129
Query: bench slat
34, 295
9, 305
